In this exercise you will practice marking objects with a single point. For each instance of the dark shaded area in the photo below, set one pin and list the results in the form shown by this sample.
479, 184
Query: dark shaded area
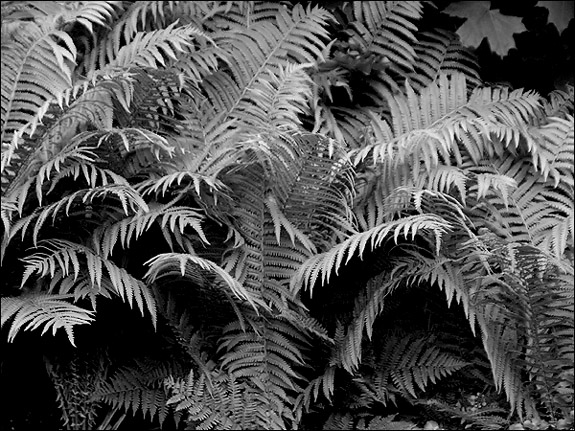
542, 59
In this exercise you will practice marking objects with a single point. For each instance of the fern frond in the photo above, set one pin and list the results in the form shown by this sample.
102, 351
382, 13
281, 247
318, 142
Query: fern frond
386, 30
140, 388
130, 201
267, 356
165, 264
409, 362
60, 255
153, 49
141, 17
32, 310
88, 13
37, 63
487, 418
260, 49
311, 392
220, 401
322, 265
174, 218
440, 52
533, 212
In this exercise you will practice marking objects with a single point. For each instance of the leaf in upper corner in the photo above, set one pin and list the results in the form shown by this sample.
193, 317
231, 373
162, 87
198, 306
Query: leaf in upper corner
560, 12
483, 22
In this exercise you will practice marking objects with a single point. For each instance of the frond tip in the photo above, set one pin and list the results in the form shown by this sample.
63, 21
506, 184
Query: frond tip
323, 264
171, 263
33, 310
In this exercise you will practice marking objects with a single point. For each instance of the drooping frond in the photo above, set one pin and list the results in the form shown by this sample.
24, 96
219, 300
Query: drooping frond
169, 263
59, 255
386, 30
347, 351
267, 355
170, 217
325, 383
34, 310
129, 200
37, 65
440, 52
295, 36
139, 388
407, 363
521, 300
321, 266
221, 401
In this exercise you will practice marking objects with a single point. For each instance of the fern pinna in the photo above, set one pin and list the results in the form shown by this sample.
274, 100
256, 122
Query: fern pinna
245, 155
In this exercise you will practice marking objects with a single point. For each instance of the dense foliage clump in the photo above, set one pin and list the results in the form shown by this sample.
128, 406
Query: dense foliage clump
277, 215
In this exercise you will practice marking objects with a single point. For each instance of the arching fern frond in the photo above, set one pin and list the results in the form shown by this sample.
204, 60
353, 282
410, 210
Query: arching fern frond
129, 200
322, 265
33, 310
60, 255
386, 30
221, 401
260, 49
407, 363
153, 49
169, 217
37, 64
139, 387
169, 263
440, 52
325, 383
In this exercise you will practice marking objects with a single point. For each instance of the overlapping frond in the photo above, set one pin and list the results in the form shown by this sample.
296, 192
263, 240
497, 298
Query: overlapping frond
221, 401
167, 263
127, 198
297, 36
387, 30
37, 66
407, 364
440, 52
59, 255
170, 217
321, 266
521, 300
139, 388
267, 355
33, 310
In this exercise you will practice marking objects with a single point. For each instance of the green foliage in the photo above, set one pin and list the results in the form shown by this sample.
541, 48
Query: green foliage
223, 165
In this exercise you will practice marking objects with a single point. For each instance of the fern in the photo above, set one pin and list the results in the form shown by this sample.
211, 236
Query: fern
487, 418
323, 264
219, 401
166, 263
36, 69
64, 256
386, 30
407, 363
266, 355
262, 47
138, 387
440, 52
35, 309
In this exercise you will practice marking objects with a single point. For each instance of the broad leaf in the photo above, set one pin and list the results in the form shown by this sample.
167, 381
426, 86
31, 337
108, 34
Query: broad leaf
560, 12
483, 22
